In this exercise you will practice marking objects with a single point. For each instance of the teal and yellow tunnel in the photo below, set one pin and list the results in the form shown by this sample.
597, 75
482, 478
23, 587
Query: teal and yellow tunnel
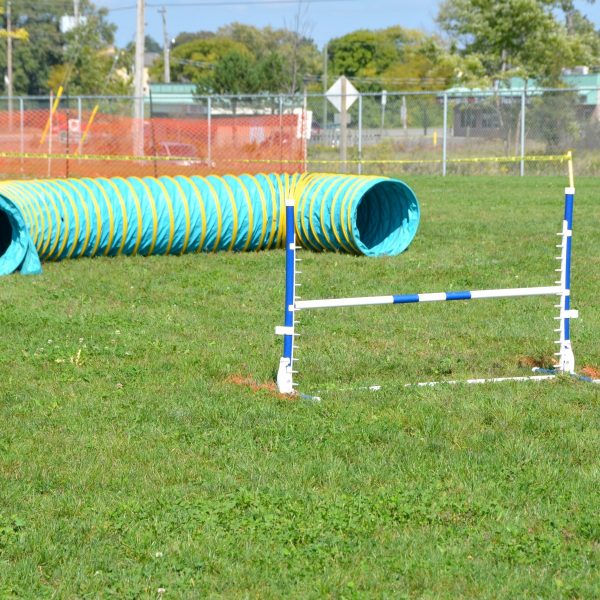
49, 220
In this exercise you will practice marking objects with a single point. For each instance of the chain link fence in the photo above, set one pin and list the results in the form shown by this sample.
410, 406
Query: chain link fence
454, 132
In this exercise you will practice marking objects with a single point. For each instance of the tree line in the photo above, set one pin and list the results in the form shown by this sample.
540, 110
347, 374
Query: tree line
481, 42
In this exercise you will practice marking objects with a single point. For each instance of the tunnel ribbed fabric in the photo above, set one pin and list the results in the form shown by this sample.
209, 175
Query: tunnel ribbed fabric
69, 218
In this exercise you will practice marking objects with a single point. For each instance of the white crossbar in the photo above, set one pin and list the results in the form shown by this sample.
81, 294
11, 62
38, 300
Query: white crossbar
480, 381
432, 297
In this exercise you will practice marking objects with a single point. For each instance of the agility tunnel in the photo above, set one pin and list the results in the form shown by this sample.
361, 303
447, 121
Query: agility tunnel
50, 220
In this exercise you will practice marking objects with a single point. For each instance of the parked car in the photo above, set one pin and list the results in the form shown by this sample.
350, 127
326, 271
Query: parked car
187, 153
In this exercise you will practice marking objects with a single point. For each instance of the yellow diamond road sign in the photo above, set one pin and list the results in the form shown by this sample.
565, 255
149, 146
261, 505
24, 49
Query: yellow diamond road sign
334, 94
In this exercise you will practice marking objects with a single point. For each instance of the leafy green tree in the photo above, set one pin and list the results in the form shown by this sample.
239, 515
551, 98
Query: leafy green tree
185, 37
271, 72
91, 63
236, 73
281, 59
195, 61
299, 55
530, 38
33, 60
362, 53
397, 59
151, 45
50, 57
37, 61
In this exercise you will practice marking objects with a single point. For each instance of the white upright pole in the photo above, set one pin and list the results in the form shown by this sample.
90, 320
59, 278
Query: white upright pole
523, 133
21, 131
343, 127
285, 373
209, 127
9, 64
445, 135
566, 358
138, 106
51, 104
166, 47
360, 125
325, 60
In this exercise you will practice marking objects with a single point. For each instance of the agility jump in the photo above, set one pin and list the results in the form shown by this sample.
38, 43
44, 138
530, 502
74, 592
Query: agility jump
561, 290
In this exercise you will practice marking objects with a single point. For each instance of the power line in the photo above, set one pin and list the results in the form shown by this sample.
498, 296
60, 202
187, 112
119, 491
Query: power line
242, 2
217, 3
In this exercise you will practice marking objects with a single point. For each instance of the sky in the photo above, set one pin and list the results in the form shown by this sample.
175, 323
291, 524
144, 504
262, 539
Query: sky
322, 19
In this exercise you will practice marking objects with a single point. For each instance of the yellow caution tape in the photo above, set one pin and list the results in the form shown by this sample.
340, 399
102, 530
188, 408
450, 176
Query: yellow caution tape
363, 161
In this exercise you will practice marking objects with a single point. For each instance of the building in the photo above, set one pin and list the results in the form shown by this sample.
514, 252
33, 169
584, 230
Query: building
488, 113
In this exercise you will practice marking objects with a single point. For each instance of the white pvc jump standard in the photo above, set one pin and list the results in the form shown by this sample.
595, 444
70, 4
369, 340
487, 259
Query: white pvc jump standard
561, 289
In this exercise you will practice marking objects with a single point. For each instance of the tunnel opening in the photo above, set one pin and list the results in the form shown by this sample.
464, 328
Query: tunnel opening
6, 232
387, 218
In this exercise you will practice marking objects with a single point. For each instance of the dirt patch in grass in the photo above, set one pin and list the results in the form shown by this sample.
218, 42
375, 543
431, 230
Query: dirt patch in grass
253, 385
589, 371
531, 362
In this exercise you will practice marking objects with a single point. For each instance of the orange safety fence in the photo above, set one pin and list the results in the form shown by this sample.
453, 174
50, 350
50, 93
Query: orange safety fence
107, 145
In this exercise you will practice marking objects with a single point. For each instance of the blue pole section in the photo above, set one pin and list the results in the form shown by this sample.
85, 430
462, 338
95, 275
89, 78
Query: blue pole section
569, 197
290, 267
566, 356
285, 373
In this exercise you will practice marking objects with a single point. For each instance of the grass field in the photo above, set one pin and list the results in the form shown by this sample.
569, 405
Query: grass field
143, 453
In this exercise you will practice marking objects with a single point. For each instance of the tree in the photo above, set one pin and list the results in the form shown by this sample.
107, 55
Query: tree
363, 53
271, 72
32, 61
521, 37
397, 59
37, 62
280, 59
91, 63
185, 37
151, 45
298, 54
235, 73
195, 61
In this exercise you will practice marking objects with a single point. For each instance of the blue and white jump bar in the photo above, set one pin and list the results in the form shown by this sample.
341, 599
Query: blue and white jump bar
435, 297
561, 289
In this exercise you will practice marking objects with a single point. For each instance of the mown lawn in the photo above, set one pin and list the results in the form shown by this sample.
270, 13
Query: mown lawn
143, 453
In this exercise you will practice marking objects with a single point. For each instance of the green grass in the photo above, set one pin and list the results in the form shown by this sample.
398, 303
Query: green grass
141, 449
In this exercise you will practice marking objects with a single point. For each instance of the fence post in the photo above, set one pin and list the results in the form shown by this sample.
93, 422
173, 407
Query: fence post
79, 115
523, 133
360, 134
50, 119
209, 142
280, 109
445, 135
304, 131
21, 131
344, 127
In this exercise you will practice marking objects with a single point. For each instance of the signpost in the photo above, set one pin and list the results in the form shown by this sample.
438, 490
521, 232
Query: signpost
342, 94
383, 103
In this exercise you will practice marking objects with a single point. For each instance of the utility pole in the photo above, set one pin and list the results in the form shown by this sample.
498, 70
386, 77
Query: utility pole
166, 46
76, 11
138, 102
9, 34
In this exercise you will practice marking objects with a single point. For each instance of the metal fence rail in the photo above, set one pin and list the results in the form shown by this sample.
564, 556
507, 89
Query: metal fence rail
387, 133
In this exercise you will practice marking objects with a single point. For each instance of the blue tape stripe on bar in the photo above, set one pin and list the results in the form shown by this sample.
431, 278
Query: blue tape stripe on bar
458, 295
405, 298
